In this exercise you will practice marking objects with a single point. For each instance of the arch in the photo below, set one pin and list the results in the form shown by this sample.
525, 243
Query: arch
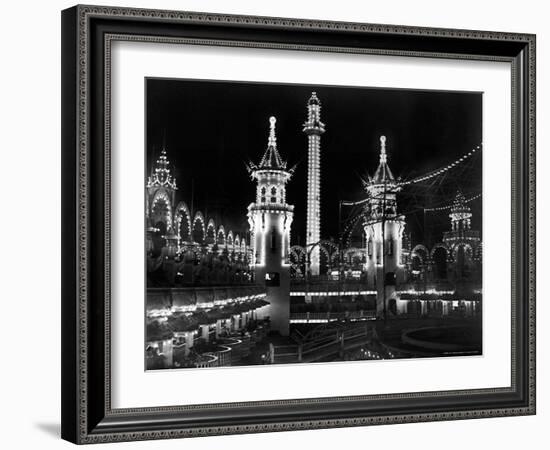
299, 252
416, 263
422, 252
468, 251
199, 228
297, 259
273, 194
329, 244
237, 243
263, 191
324, 252
183, 222
161, 208
190, 254
221, 236
440, 245
229, 239
462, 256
211, 232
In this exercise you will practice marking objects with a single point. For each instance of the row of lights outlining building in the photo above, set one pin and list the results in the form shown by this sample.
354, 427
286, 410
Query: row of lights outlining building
178, 239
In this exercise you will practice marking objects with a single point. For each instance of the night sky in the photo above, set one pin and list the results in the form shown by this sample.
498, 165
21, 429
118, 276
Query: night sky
212, 128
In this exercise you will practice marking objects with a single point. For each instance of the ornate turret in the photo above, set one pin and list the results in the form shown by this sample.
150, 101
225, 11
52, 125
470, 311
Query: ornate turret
463, 242
160, 173
383, 234
270, 218
382, 188
460, 214
161, 194
271, 161
314, 128
383, 173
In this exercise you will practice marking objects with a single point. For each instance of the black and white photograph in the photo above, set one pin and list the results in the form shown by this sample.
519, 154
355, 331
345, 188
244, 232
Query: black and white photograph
291, 224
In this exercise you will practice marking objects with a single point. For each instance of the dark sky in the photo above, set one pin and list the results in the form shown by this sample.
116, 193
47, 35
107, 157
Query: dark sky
212, 128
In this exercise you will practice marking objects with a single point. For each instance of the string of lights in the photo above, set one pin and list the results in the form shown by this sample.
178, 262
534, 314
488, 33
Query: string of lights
352, 203
446, 207
350, 227
442, 170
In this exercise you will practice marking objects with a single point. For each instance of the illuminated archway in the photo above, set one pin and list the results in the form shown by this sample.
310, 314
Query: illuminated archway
229, 240
199, 228
221, 236
324, 259
161, 209
422, 252
462, 256
183, 222
297, 256
211, 232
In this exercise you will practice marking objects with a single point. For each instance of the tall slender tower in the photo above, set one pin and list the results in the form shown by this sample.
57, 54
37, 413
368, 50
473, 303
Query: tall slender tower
270, 218
383, 232
314, 128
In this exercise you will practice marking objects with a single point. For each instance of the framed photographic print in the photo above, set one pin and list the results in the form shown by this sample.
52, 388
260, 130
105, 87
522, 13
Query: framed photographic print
282, 224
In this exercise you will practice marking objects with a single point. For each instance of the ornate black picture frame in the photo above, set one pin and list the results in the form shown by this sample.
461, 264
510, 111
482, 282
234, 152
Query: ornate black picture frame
87, 34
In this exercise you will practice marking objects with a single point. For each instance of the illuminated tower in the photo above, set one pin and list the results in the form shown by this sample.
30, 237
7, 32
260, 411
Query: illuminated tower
270, 218
159, 203
460, 215
314, 128
161, 192
463, 242
383, 235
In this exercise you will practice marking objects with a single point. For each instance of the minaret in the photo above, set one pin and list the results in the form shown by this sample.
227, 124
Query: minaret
270, 218
161, 196
314, 128
161, 192
161, 235
462, 241
383, 235
460, 214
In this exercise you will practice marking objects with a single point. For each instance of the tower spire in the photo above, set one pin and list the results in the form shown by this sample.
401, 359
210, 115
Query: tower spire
272, 141
272, 159
383, 155
383, 173
160, 174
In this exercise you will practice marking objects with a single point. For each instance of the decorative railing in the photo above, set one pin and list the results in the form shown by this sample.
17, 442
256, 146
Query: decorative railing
322, 317
207, 360
332, 342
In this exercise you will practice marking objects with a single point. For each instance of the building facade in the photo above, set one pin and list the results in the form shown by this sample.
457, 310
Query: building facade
185, 246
